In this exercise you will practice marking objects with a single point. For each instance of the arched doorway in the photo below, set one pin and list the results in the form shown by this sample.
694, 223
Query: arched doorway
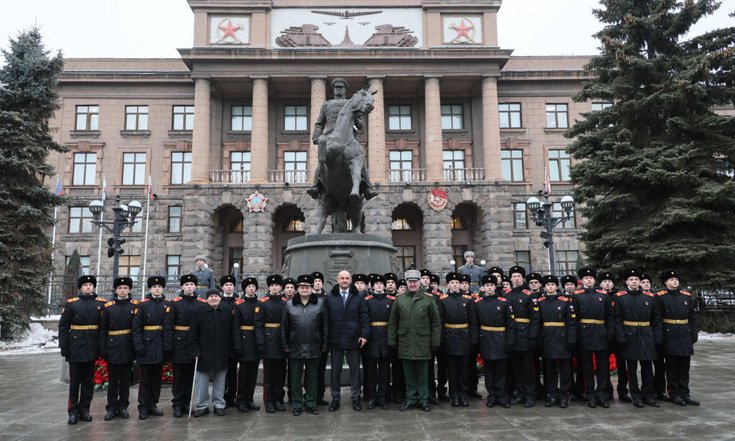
230, 223
407, 227
288, 223
464, 220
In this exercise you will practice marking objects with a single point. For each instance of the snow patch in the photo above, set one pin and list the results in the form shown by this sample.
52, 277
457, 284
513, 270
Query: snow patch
36, 340
715, 336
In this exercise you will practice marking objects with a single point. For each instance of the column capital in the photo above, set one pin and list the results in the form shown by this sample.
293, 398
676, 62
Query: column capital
433, 77
317, 77
201, 76
376, 77
259, 77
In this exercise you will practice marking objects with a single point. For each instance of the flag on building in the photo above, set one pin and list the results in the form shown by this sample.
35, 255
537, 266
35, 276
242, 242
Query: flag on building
150, 188
59, 189
547, 182
104, 189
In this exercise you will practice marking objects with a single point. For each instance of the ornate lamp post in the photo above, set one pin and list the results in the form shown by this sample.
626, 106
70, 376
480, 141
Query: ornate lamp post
542, 215
124, 218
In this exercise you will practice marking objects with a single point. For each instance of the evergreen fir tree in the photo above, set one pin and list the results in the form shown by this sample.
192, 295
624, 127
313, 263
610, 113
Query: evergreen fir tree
28, 98
655, 180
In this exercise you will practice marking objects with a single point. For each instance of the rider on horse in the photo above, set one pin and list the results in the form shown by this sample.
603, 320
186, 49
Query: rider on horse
324, 126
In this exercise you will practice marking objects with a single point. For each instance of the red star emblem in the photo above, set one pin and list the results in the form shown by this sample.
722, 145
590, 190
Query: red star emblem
229, 30
463, 30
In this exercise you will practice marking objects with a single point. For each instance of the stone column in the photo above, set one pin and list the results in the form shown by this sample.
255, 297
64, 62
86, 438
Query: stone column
200, 137
318, 96
491, 129
433, 148
376, 133
259, 149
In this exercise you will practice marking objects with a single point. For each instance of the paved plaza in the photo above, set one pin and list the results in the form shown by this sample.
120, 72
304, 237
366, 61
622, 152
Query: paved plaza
34, 402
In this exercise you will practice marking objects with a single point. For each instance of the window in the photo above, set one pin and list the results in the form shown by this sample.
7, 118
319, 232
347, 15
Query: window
180, 167
406, 256
557, 212
174, 219
452, 117
83, 264
523, 258
136, 117
173, 266
129, 266
510, 115
401, 224
85, 168
295, 118
401, 162
183, 118
295, 166
133, 169
138, 225
88, 117
458, 254
240, 166
454, 165
596, 107
566, 262
458, 223
557, 116
80, 220
512, 164
520, 216
236, 226
559, 162
294, 225
242, 119
399, 117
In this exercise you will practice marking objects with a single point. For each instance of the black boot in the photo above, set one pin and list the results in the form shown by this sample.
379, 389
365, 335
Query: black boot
73, 418
112, 413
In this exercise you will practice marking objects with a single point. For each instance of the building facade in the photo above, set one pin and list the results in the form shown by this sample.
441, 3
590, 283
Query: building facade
461, 135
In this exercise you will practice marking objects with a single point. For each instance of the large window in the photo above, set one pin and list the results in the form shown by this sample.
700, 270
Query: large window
180, 167
452, 117
129, 266
566, 262
523, 258
80, 220
510, 115
406, 255
557, 211
559, 162
133, 169
88, 117
240, 166
512, 164
174, 219
557, 116
242, 119
173, 266
401, 162
85, 168
295, 118
183, 118
454, 165
520, 216
136, 117
399, 117
294, 164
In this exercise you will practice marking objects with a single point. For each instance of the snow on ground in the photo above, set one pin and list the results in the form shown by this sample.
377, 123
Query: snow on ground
716, 336
36, 340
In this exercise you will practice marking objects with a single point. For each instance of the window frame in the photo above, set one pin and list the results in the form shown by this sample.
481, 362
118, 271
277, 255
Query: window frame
186, 116
140, 122
295, 175
557, 112
91, 118
86, 165
174, 220
135, 168
512, 159
296, 116
243, 118
180, 167
559, 164
451, 116
84, 217
400, 117
509, 113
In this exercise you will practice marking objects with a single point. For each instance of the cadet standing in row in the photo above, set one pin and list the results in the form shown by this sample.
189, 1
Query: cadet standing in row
377, 353
244, 345
228, 283
268, 340
526, 338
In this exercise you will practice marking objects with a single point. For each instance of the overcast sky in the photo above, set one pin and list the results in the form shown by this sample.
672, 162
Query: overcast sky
155, 28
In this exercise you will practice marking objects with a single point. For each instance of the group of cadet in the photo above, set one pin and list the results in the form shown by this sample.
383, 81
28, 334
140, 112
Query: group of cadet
527, 329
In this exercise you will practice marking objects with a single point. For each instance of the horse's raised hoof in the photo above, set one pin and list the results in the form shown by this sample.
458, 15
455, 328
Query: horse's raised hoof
355, 198
370, 193
313, 192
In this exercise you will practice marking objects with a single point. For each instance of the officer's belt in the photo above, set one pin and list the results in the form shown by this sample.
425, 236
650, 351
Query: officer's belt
457, 325
675, 322
272, 325
181, 328
627, 323
592, 321
120, 332
84, 327
493, 328
247, 328
522, 320
378, 323
153, 328
556, 324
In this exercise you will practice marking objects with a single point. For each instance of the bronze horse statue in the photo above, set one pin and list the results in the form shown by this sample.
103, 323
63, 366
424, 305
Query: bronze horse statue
342, 168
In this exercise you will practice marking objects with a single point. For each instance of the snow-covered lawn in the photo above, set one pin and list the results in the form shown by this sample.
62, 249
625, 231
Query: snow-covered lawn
34, 341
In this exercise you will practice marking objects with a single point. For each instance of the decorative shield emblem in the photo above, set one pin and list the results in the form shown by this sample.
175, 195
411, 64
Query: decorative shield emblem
256, 202
438, 199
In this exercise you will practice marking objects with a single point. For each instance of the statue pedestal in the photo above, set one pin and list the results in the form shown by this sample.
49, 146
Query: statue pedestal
332, 253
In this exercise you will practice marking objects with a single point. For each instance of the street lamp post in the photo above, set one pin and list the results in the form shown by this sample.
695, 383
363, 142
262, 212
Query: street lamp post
542, 215
124, 218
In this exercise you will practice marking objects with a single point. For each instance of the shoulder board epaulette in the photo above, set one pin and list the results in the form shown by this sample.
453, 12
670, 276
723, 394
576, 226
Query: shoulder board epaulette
428, 294
621, 293
479, 299
368, 297
466, 296
527, 292
579, 291
648, 293
145, 300
388, 296
540, 299
601, 291
72, 300
177, 299
110, 303
662, 292
564, 298
239, 301
199, 299
284, 299
443, 296
686, 293
135, 302
100, 299
502, 299
263, 299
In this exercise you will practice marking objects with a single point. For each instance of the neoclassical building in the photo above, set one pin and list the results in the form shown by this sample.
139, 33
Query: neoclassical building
461, 135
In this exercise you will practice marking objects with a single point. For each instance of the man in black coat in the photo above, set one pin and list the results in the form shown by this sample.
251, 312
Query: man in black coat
150, 326
349, 330
116, 346
318, 289
244, 345
210, 341
268, 315
377, 353
228, 283
79, 342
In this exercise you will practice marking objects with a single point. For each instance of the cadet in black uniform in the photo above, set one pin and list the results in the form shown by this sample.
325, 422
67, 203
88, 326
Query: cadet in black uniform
116, 346
473, 376
183, 309
659, 364
228, 283
152, 322
607, 283
495, 339
79, 342
526, 338
268, 341
638, 331
596, 329
459, 337
558, 340
244, 345
322, 372
398, 386
680, 330
568, 285
377, 353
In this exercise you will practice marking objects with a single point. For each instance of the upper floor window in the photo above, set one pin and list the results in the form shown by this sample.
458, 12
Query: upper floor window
557, 116
401, 162
133, 169
80, 220
559, 162
295, 118
85, 168
512, 164
452, 117
453, 165
520, 216
136, 117
83, 264
180, 167
510, 115
399, 117
183, 118
240, 166
294, 164
88, 117
242, 119
557, 212
174, 219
